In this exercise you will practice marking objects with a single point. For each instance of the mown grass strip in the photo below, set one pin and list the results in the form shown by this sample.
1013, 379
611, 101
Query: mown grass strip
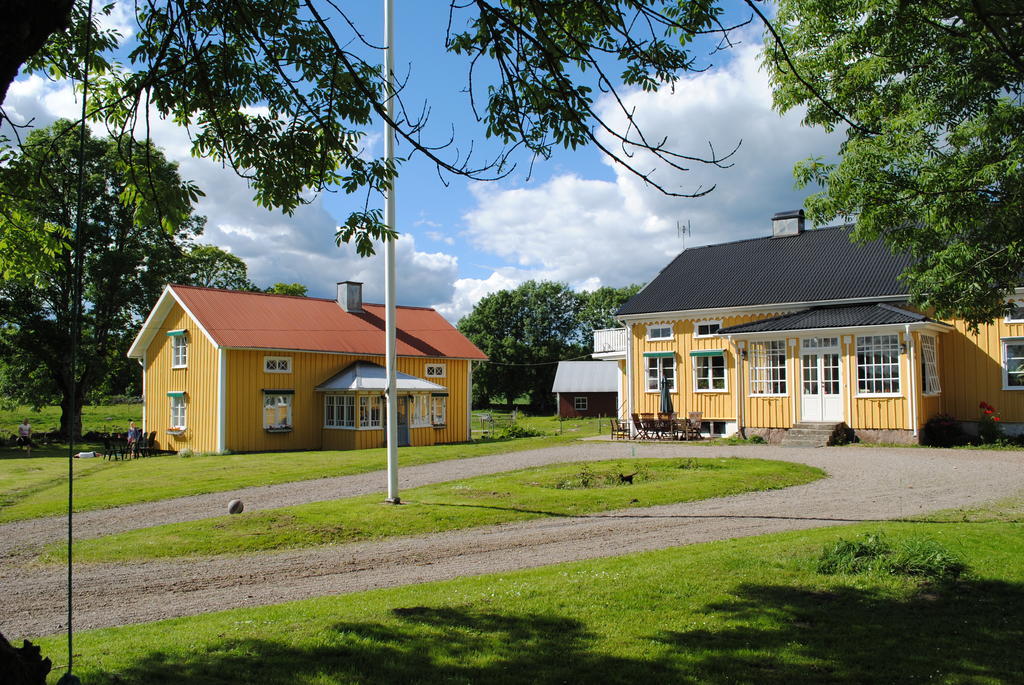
742, 611
558, 490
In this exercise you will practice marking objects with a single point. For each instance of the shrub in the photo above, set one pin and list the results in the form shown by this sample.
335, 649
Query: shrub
873, 553
990, 430
942, 430
516, 431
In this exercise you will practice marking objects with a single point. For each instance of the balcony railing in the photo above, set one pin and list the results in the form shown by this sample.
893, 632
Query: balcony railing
610, 341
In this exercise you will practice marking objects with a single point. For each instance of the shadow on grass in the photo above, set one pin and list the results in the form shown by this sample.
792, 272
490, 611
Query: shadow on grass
771, 634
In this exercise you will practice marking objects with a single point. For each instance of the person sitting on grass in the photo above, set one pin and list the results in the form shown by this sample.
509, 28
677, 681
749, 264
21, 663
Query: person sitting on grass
25, 436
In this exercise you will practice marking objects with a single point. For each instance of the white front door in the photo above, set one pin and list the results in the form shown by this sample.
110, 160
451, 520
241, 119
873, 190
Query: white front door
821, 396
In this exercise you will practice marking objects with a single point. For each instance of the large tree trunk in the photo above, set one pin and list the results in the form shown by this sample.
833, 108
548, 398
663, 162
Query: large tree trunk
25, 26
22, 665
71, 414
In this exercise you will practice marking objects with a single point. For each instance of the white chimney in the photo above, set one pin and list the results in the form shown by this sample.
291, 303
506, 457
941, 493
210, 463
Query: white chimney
789, 223
350, 296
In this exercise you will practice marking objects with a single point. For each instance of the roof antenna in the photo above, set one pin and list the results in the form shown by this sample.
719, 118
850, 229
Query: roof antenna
682, 232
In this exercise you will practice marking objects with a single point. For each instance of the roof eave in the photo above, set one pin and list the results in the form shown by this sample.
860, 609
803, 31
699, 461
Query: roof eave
782, 307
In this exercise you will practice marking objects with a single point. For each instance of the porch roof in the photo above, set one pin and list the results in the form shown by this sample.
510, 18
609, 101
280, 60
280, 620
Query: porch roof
369, 376
849, 316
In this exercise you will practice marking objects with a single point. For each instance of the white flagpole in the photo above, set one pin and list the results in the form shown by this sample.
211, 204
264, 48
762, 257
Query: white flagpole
389, 258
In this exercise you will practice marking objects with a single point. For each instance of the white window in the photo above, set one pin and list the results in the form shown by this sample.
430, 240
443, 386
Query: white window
929, 366
277, 364
179, 349
659, 332
369, 411
706, 329
579, 403
878, 364
658, 367
768, 367
811, 344
277, 411
339, 411
1014, 312
709, 372
1013, 364
438, 409
420, 410
435, 370
178, 417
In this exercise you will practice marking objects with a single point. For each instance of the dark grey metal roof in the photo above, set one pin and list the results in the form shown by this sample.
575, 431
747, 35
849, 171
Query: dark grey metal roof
830, 317
816, 266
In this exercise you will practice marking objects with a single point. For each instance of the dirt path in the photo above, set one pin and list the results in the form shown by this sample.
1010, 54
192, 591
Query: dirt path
865, 484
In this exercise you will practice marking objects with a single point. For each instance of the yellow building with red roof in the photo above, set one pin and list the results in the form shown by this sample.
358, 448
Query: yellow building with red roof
251, 372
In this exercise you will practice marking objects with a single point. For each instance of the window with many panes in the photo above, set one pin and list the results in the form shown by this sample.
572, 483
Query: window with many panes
179, 349
178, 418
929, 366
658, 368
878, 364
435, 370
1013, 364
339, 411
277, 364
767, 367
421, 410
277, 411
1014, 312
659, 331
709, 373
579, 403
438, 410
369, 411
706, 329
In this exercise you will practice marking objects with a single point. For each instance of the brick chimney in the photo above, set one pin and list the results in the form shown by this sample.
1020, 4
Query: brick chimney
785, 224
350, 296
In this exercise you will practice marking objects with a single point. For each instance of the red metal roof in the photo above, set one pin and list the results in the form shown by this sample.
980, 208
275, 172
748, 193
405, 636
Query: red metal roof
282, 322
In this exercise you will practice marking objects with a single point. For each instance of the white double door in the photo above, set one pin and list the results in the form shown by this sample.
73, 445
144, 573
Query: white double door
821, 396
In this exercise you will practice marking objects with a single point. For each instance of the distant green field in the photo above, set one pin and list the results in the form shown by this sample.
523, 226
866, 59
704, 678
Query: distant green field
101, 418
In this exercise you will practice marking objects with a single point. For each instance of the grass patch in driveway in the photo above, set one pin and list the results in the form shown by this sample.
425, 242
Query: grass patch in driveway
547, 491
750, 610
35, 487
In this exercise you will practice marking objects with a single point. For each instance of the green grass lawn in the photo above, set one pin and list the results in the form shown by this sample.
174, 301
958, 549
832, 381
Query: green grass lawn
100, 418
547, 491
38, 486
743, 611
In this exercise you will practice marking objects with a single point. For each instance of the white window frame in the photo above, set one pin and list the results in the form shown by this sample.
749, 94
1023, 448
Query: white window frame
877, 346
277, 364
700, 375
438, 410
930, 384
179, 412
579, 405
435, 371
709, 322
280, 399
179, 351
767, 368
665, 329
1018, 358
1016, 315
340, 411
654, 372
371, 411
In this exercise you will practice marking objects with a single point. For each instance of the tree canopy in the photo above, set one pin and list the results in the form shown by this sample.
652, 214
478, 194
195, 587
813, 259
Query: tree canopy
120, 266
283, 92
930, 96
294, 289
526, 331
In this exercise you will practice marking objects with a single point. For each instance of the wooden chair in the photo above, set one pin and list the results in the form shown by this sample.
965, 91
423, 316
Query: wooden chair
620, 430
693, 420
641, 430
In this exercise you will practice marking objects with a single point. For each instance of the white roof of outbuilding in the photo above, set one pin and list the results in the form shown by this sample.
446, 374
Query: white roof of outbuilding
586, 377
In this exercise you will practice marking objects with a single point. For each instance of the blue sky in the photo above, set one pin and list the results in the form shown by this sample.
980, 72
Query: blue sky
573, 218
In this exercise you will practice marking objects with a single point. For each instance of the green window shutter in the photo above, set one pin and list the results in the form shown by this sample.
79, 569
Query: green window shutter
659, 354
267, 391
180, 331
707, 353
439, 394
176, 393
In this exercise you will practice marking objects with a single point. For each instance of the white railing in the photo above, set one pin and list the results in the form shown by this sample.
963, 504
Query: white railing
608, 340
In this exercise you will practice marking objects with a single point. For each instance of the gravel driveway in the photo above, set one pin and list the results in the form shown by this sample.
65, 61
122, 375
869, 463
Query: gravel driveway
864, 484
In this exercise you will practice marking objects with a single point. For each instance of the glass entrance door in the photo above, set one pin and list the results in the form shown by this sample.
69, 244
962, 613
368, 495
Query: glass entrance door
820, 386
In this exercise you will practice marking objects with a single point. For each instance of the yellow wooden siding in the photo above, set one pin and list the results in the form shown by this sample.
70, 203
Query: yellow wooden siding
198, 380
972, 371
246, 381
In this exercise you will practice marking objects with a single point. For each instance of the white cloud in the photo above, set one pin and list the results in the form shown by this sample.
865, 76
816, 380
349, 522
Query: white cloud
614, 232
469, 291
